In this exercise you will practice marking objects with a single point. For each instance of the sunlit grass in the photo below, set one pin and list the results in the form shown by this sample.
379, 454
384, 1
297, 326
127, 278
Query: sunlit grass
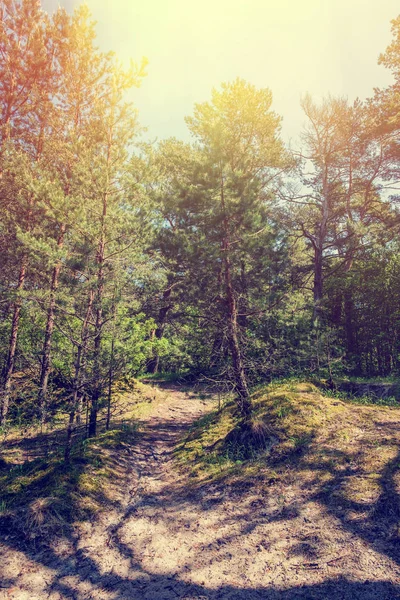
41, 497
313, 436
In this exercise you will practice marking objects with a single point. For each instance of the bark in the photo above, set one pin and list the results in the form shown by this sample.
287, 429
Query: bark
97, 385
153, 362
319, 242
237, 362
244, 300
240, 382
79, 410
12, 344
70, 431
71, 425
318, 284
46, 363
110, 380
76, 407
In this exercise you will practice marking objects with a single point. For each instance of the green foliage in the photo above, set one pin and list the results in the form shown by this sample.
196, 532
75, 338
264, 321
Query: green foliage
119, 257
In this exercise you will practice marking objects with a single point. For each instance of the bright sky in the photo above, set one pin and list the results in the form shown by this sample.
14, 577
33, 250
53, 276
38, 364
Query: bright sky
290, 46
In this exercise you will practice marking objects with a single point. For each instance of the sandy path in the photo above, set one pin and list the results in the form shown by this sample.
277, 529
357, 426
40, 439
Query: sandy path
173, 541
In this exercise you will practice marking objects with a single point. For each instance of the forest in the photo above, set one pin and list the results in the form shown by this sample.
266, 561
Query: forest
230, 262
232, 257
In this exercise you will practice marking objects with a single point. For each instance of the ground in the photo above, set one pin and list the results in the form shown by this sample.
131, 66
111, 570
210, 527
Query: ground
312, 519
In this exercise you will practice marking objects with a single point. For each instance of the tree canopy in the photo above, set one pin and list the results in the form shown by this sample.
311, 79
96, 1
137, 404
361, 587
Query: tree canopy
231, 257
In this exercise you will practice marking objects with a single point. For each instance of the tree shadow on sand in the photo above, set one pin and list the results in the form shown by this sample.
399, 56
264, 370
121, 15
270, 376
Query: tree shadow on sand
376, 523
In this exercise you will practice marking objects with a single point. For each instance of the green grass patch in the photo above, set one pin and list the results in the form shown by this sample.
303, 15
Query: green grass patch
41, 497
293, 427
370, 400
167, 376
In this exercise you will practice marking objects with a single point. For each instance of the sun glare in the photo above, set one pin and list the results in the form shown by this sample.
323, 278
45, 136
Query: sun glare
291, 47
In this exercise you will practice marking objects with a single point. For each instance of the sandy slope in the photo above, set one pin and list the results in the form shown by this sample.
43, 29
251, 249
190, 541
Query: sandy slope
174, 540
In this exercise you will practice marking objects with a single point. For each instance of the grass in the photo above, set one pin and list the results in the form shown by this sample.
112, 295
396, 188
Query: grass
362, 400
40, 497
168, 377
303, 434
343, 450
225, 440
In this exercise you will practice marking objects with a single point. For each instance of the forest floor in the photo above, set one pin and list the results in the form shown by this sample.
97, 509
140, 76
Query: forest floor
318, 519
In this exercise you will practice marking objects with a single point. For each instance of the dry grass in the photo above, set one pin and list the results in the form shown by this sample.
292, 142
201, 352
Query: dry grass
300, 502
40, 495
327, 469
296, 430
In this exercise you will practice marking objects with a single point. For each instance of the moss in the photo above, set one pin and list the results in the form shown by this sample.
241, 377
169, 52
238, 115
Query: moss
43, 496
315, 436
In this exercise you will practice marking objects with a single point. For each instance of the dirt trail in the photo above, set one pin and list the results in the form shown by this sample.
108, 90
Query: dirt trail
172, 540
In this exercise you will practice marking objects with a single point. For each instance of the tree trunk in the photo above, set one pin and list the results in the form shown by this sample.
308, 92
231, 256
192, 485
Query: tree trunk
71, 427
97, 386
12, 344
97, 383
79, 410
76, 407
237, 362
318, 243
110, 380
244, 299
240, 383
318, 285
45, 369
153, 362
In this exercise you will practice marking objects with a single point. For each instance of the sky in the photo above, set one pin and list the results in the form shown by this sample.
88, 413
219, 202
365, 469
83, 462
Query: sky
290, 46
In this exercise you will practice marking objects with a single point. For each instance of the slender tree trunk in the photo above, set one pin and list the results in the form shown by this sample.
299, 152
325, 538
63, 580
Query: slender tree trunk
244, 296
79, 410
71, 425
85, 339
237, 362
319, 241
110, 380
240, 382
317, 318
46, 364
77, 393
153, 362
13, 344
318, 284
92, 431
97, 387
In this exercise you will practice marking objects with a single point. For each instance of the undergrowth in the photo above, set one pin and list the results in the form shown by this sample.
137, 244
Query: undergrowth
370, 400
294, 428
41, 497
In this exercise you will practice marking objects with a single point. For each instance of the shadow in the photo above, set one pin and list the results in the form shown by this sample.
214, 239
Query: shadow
149, 586
377, 523
148, 449
41, 498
